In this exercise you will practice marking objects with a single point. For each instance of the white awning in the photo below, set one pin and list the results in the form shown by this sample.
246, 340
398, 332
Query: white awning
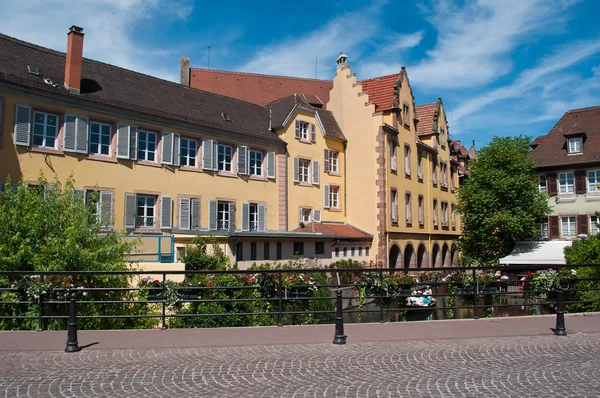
537, 252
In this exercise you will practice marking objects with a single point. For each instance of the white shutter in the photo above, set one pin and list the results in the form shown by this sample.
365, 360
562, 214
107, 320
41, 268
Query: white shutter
123, 141
326, 160
166, 212
69, 133
166, 156
207, 155
106, 213
315, 172
316, 215
133, 130
326, 196
212, 215
245, 216
176, 149
300, 215
296, 169
195, 213
271, 164
262, 214
184, 213
231, 216
242, 160
313, 133
129, 210
81, 134
22, 133
298, 132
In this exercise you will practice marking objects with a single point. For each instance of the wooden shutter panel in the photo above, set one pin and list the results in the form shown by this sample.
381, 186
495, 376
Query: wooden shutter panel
232, 224
552, 184
242, 160
166, 155
316, 215
326, 160
580, 182
106, 205
22, 133
298, 133
166, 212
177, 149
582, 224
129, 210
184, 213
123, 141
315, 172
553, 227
195, 214
313, 132
69, 133
81, 134
245, 216
133, 130
212, 215
262, 217
271, 164
296, 169
207, 155
326, 196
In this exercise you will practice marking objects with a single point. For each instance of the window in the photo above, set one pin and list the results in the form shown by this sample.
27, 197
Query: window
453, 216
421, 210
594, 225
223, 215
146, 214
407, 160
319, 247
239, 250
224, 156
305, 215
334, 197
303, 170
394, 205
360, 251
256, 161
574, 144
408, 207
279, 255
253, 214
45, 130
266, 251
393, 161
188, 150
566, 181
593, 180
541, 229
345, 252
445, 214
443, 137
298, 248
333, 161
302, 130
434, 172
405, 114
366, 251
542, 183
444, 175
419, 165
337, 251
101, 206
252, 250
435, 213
568, 226
352, 251
146, 142
100, 135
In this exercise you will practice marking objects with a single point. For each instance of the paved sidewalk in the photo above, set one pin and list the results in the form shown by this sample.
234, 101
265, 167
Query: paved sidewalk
540, 325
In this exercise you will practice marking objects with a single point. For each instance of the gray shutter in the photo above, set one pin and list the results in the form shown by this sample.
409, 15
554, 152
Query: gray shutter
207, 155
176, 149
69, 133
296, 169
129, 210
78, 196
22, 134
232, 216
242, 166
326, 196
166, 156
316, 215
313, 133
262, 217
326, 160
245, 216
81, 133
195, 213
212, 215
123, 141
315, 172
184, 213
106, 202
133, 142
166, 212
298, 133
299, 215
271, 164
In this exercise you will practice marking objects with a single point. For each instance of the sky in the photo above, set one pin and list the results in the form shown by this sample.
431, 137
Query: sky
501, 67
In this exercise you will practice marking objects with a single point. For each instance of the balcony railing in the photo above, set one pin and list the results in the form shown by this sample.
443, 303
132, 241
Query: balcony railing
146, 222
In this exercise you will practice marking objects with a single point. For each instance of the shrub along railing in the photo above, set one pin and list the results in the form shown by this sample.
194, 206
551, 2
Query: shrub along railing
130, 299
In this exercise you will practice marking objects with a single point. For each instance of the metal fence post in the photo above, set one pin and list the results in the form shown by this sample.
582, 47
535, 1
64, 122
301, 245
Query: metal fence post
560, 329
339, 337
72, 344
164, 304
40, 308
381, 318
476, 296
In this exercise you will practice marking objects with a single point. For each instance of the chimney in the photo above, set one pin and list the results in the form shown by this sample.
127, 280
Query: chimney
341, 61
74, 59
185, 71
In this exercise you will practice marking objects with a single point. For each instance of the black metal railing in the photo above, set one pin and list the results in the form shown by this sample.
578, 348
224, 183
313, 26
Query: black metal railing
210, 298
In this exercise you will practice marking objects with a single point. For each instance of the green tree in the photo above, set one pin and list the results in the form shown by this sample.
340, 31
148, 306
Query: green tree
499, 202
585, 251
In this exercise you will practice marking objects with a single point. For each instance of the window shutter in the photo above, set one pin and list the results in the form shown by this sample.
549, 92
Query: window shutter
316, 215
326, 160
242, 159
553, 227
176, 149
326, 196
166, 212
296, 169
129, 210
262, 219
69, 133
313, 132
207, 156
271, 164
133, 142
552, 184
232, 224
81, 131
78, 196
166, 156
195, 214
582, 224
212, 215
106, 202
580, 182
298, 133
245, 216
184, 213
300, 215
315, 172
22, 134
123, 141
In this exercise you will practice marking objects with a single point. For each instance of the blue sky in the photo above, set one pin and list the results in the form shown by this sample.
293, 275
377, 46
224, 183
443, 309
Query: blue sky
502, 67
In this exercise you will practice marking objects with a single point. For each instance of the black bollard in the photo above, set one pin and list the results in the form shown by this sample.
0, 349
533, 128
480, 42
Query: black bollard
560, 329
72, 344
339, 337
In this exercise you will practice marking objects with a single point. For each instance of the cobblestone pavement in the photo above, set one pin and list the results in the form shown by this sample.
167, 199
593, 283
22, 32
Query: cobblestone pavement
538, 366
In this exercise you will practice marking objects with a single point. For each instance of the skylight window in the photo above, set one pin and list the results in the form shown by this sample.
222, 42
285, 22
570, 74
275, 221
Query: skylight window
226, 117
33, 70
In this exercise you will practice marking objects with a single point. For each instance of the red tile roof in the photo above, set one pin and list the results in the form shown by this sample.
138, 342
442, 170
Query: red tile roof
256, 88
380, 91
344, 231
426, 114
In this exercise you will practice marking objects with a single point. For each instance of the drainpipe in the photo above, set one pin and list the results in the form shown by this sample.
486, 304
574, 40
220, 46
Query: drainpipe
345, 187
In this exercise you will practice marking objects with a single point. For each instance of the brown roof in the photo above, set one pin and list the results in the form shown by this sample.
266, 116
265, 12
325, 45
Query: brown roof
111, 85
551, 149
338, 230
256, 88
380, 91
426, 115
